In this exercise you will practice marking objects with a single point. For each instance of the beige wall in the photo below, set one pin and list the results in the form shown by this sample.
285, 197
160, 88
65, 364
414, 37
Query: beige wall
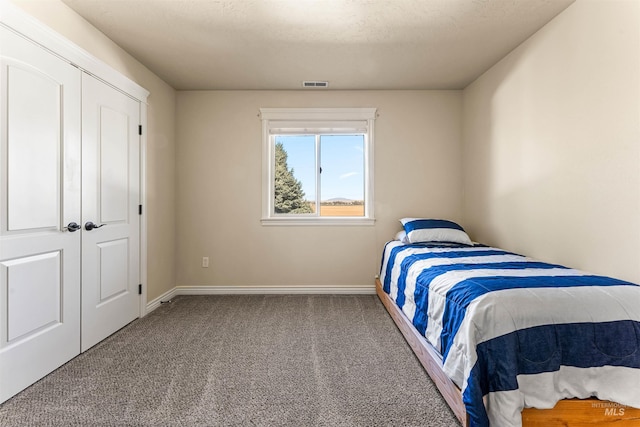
548, 163
417, 172
552, 143
160, 174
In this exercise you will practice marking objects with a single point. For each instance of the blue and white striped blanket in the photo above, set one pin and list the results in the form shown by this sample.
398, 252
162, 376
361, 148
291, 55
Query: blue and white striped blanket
514, 332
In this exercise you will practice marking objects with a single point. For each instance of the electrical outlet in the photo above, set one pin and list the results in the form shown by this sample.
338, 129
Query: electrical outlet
205, 262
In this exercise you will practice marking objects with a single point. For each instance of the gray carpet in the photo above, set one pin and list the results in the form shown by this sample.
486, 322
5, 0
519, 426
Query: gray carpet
258, 360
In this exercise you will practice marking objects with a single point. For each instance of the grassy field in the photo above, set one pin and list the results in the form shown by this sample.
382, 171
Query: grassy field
346, 210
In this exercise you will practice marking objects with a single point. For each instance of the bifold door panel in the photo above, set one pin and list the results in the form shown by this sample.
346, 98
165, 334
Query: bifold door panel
110, 198
40, 195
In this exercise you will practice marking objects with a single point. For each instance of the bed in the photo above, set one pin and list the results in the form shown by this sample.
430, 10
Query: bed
500, 333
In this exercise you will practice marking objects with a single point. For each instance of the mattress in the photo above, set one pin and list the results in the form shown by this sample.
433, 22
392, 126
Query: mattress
514, 332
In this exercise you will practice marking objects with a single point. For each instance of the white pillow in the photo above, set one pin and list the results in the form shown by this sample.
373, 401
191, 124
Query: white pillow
402, 237
420, 230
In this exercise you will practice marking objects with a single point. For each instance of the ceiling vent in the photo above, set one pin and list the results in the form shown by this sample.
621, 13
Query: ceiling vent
315, 84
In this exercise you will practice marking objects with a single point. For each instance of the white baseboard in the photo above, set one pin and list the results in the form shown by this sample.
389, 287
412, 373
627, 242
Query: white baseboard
156, 302
259, 290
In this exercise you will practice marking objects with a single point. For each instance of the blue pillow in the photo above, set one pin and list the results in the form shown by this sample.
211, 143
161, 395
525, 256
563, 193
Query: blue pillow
420, 230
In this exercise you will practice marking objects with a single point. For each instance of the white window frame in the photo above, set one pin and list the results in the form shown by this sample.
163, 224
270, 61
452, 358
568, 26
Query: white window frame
312, 120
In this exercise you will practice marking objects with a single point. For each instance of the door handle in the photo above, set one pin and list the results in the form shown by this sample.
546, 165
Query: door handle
72, 226
90, 226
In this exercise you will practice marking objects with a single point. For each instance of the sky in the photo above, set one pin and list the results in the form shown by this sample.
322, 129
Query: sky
342, 162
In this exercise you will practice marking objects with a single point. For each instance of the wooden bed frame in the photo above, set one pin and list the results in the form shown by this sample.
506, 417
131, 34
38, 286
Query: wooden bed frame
567, 413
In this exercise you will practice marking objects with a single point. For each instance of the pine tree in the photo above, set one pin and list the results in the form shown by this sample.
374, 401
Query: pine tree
289, 197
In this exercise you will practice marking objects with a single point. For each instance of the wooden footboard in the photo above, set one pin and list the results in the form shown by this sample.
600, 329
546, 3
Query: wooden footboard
567, 413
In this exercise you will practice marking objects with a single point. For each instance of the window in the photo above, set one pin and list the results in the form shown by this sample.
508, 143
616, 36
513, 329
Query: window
317, 166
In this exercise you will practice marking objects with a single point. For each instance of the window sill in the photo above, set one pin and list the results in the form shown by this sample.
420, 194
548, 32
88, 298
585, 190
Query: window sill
315, 221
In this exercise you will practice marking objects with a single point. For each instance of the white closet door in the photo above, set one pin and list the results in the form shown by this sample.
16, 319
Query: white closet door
110, 198
39, 256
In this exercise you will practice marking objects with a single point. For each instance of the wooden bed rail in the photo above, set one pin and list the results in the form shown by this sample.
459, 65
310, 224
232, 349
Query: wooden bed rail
567, 413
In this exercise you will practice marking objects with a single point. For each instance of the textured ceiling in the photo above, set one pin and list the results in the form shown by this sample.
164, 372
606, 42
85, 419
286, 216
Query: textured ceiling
354, 44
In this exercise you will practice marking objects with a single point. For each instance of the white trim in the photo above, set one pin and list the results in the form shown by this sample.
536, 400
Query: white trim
275, 290
143, 202
322, 221
156, 302
317, 114
368, 160
25, 25
259, 290
267, 170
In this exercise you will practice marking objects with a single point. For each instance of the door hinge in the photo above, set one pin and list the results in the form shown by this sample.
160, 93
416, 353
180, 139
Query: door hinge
139, 209
140, 289
139, 129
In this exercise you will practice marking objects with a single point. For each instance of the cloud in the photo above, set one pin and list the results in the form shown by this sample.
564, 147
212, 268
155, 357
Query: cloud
348, 174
